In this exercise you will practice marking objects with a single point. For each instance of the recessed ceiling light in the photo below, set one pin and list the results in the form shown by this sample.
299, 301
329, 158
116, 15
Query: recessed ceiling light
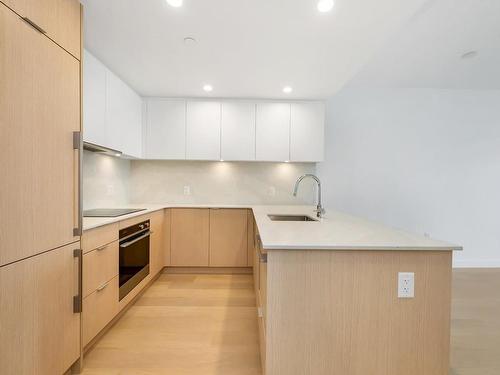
189, 41
469, 55
207, 88
325, 5
175, 3
287, 89
287, 161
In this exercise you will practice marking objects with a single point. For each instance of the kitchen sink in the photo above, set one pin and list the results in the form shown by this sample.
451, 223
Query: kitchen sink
291, 218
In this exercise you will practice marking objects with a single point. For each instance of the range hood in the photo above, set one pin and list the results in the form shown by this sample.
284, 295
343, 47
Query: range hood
100, 149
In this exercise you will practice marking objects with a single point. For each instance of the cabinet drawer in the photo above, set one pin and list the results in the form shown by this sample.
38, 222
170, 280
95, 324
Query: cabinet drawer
99, 266
94, 238
99, 308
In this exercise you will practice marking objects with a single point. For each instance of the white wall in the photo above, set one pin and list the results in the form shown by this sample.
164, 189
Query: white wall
219, 182
425, 160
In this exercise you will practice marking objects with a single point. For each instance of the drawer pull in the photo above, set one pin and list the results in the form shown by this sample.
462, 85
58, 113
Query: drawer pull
102, 287
260, 314
33, 25
102, 248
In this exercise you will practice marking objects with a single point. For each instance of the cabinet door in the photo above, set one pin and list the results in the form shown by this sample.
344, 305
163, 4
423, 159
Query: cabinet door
238, 131
228, 238
307, 132
166, 129
273, 132
60, 19
157, 258
203, 130
40, 333
123, 117
39, 111
190, 236
94, 100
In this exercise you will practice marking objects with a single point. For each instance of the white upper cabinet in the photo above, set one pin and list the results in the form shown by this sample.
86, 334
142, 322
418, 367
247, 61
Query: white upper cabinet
307, 131
238, 130
94, 100
273, 132
165, 129
123, 116
203, 123
112, 111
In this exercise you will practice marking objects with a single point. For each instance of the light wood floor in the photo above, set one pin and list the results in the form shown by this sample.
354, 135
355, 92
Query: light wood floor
206, 324
475, 326
184, 325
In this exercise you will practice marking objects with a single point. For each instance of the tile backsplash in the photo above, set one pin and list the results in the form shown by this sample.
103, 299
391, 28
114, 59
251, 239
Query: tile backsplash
112, 182
218, 182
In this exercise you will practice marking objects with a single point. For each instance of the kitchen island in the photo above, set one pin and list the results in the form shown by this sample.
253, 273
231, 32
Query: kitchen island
327, 294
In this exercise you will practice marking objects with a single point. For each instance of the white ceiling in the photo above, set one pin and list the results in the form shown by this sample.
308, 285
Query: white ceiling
245, 48
426, 52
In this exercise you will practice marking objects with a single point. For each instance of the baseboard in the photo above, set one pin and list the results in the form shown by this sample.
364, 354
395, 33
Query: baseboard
476, 263
209, 270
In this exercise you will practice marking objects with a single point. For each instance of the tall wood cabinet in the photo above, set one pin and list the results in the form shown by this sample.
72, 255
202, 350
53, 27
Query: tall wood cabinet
39, 111
40, 293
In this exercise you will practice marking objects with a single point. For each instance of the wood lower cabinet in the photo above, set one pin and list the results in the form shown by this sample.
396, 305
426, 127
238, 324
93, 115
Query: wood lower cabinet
189, 237
39, 111
99, 266
40, 333
156, 258
99, 308
228, 237
60, 19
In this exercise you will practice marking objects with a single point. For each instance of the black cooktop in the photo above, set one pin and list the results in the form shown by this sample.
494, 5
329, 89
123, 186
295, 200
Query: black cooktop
110, 212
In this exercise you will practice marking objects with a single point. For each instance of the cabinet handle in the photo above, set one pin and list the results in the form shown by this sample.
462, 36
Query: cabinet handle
33, 25
260, 314
77, 300
102, 248
77, 146
102, 287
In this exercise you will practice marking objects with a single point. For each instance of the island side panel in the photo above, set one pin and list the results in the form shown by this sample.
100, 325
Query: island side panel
337, 312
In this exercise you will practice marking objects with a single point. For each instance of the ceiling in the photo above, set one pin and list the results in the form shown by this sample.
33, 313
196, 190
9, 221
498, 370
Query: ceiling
426, 52
244, 48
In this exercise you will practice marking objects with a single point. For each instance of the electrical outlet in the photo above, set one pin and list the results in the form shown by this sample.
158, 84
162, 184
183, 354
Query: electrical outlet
187, 190
406, 285
272, 191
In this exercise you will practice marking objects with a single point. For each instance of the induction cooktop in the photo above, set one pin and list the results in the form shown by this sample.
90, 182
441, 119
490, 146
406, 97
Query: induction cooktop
110, 212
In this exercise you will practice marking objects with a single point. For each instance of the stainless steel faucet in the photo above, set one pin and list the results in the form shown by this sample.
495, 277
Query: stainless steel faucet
320, 211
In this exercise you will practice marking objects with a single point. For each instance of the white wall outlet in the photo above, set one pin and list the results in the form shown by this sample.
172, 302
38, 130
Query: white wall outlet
406, 285
187, 190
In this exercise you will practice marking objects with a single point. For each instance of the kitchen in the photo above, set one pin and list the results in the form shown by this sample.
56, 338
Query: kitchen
286, 199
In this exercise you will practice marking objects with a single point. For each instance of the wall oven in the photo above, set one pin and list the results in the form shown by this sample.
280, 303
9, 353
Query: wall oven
134, 256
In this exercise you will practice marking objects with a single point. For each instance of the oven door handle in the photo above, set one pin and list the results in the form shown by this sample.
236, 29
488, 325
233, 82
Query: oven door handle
127, 244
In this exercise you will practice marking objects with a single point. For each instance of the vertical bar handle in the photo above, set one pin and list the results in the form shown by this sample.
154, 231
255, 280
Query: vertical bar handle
77, 300
77, 146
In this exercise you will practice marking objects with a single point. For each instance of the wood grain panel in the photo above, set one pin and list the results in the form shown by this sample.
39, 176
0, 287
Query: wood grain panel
39, 110
99, 266
39, 332
100, 236
99, 308
167, 236
157, 253
250, 237
228, 238
190, 237
334, 312
59, 18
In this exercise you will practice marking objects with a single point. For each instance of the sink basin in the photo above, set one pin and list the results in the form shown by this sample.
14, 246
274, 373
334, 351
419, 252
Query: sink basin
291, 218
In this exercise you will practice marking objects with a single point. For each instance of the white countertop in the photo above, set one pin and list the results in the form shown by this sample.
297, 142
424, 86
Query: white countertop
335, 231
